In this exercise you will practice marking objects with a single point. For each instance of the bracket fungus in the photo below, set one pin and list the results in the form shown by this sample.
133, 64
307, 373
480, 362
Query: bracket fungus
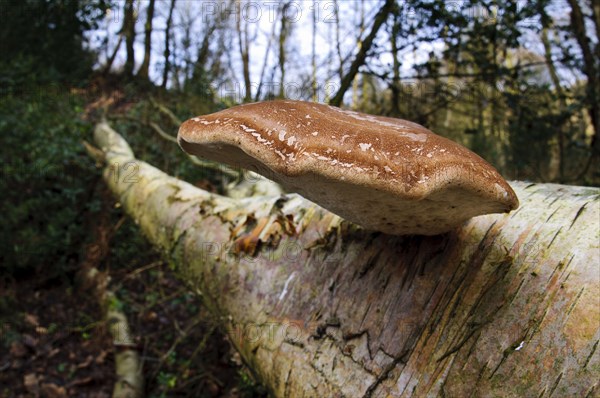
385, 174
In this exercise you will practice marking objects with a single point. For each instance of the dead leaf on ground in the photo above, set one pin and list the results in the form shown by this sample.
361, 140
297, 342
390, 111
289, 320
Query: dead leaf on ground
31, 320
16, 364
17, 349
31, 383
85, 363
81, 381
41, 330
151, 316
53, 352
100, 394
51, 390
29, 340
101, 357
212, 388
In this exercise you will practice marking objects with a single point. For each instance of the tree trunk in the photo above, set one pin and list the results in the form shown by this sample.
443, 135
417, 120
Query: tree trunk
199, 74
144, 68
591, 70
380, 18
395, 84
201, 70
283, 35
167, 53
361, 31
111, 59
559, 154
244, 44
338, 43
506, 305
129, 32
314, 83
258, 94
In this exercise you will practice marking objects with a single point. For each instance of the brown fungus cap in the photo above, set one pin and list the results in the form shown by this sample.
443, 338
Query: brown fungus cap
384, 174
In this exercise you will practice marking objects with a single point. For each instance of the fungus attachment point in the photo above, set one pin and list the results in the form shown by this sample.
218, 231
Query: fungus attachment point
385, 174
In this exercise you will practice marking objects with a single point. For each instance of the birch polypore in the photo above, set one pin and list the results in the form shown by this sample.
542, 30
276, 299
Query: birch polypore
385, 174
505, 305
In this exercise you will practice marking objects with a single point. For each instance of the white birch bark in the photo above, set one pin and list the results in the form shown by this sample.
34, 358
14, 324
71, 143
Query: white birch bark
506, 305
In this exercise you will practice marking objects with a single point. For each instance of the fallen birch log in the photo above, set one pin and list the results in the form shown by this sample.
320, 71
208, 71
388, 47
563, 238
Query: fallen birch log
506, 305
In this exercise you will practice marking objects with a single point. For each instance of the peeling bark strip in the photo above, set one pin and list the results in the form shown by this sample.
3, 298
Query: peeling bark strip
504, 306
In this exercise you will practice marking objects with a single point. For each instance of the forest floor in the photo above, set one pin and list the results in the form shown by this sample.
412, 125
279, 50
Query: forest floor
55, 343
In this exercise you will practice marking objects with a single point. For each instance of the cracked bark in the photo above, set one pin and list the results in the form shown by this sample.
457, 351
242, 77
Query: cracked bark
318, 307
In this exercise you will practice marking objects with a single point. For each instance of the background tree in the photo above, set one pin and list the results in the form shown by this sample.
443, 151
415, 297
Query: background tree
143, 71
167, 52
284, 32
361, 56
591, 67
128, 30
244, 40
